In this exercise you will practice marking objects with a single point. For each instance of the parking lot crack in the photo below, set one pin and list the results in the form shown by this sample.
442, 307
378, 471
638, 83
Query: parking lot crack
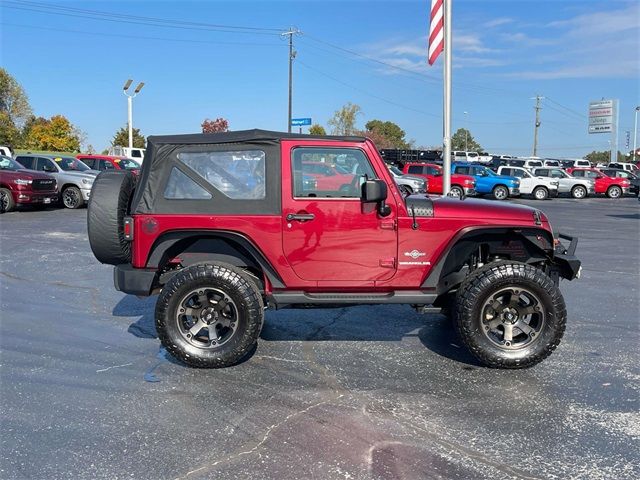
270, 429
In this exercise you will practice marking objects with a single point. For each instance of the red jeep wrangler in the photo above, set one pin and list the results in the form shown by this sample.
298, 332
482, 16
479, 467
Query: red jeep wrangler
225, 225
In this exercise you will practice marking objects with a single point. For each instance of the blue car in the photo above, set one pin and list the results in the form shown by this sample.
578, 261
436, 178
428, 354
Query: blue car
487, 181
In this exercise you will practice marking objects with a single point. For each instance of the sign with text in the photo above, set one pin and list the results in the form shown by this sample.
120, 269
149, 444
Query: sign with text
300, 122
601, 116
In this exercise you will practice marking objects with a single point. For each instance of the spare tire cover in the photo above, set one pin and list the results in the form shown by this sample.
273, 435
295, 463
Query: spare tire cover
108, 205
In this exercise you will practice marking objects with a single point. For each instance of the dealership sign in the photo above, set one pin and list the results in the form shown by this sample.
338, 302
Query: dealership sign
602, 115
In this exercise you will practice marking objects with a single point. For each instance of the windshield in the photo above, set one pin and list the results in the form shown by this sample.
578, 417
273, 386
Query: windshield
127, 164
395, 170
7, 163
535, 164
70, 164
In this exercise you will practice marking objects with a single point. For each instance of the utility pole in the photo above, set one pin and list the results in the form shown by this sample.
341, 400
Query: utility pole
537, 124
292, 54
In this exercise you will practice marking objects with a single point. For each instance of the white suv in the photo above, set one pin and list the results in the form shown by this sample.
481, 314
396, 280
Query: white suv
540, 187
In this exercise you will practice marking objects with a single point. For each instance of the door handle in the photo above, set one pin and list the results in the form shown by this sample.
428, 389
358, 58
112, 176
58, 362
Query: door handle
300, 217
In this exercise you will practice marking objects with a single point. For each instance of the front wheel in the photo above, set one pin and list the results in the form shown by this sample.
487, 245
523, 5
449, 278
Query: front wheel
72, 197
500, 192
540, 193
578, 192
510, 315
614, 191
6, 200
456, 192
209, 316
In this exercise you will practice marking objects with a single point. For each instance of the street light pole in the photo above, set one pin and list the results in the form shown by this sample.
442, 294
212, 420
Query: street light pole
635, 133
466, 132
125, 88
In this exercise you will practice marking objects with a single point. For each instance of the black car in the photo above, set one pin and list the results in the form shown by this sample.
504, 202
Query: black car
620, 173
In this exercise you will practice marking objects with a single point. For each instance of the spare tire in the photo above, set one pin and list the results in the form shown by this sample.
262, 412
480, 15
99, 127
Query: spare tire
108, 205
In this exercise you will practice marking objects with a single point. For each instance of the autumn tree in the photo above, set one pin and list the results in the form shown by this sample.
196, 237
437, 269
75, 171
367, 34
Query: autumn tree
9, 133
215, 126
56, 134
317, 130
386, 134
344, 120
121, 138
14, 109
463, 140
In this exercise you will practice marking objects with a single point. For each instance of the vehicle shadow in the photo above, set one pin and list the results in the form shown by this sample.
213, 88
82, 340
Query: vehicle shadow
381, 323
632, 216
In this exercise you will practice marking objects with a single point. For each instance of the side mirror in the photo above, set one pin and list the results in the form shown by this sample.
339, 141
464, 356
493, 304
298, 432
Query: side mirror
375, 191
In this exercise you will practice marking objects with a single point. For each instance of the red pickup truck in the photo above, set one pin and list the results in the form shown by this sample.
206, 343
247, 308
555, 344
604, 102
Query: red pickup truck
19, 186
612, 187
461, 185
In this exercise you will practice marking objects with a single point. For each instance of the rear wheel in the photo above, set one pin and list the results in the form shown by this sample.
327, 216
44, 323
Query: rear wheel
72, 197
209, 316
540, 193
614, 191
578, 192
456, 191
500, 192
510, 315
6, 200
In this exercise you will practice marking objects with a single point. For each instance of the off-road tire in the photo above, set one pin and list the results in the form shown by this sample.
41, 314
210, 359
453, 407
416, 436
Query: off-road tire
500, 192
614, 191
456, 191
480, 285
579, 192
540, 193
238, 287
108, 205
72, 198
7, 203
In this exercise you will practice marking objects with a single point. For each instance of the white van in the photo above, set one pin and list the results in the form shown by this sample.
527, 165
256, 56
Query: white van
135, 153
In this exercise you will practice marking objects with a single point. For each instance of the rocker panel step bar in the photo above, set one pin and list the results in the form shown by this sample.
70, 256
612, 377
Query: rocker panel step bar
399, 297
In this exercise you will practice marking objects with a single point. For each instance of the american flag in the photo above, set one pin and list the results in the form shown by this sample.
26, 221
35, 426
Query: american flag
436, 30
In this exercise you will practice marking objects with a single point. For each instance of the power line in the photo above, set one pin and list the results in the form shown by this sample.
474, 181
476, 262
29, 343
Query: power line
391, 102
139, 37
578, 114
135, 19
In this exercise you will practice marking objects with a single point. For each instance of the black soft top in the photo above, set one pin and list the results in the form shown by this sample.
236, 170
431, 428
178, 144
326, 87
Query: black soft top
161, 158
242, 136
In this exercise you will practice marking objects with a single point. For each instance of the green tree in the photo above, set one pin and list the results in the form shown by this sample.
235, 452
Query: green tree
121, 138
344, 120
389, 134
603, 156
463, 138
56, 134
13, 99
9, 133
317, 130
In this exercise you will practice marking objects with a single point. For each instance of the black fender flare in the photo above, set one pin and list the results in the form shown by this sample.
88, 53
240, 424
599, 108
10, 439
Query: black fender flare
537, 246
232, 248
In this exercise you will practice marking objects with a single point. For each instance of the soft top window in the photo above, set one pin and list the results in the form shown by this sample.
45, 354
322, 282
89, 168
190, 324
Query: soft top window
236, 174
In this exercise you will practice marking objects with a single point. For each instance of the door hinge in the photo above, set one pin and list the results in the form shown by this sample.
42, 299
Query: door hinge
388, 224
388, 262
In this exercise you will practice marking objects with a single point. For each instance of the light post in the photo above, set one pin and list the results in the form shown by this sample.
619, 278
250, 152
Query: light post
635, 133
130, 106
466, 131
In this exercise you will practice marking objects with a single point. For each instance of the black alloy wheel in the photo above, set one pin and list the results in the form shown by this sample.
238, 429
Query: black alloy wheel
72, 197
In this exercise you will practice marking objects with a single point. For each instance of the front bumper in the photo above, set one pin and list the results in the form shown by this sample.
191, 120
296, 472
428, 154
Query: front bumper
33, 198
564, 259
86, 193
514, 191
134, 281
469, 191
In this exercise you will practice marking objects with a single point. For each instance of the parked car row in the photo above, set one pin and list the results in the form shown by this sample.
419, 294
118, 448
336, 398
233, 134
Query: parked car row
44, 179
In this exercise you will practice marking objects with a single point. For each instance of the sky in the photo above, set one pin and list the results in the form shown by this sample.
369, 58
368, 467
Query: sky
210, 59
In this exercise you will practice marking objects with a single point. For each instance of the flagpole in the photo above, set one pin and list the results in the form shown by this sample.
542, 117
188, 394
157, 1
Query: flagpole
446, 154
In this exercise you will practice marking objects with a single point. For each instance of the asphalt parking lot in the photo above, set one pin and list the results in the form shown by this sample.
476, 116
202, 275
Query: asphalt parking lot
351, 393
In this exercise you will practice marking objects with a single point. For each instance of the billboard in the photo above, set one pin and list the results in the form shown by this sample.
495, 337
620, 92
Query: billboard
602, 114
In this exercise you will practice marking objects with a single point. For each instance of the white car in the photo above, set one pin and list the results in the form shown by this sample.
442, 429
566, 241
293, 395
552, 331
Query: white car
627, 167
540, 187
576, 187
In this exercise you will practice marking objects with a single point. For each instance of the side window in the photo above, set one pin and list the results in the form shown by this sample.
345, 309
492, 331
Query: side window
315, 173
542, 172
462, 170
556, 174
44, 164
432, 171
27, 162
105, 165
415, 169
181, 187
507, 171
578, 173
239, 175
